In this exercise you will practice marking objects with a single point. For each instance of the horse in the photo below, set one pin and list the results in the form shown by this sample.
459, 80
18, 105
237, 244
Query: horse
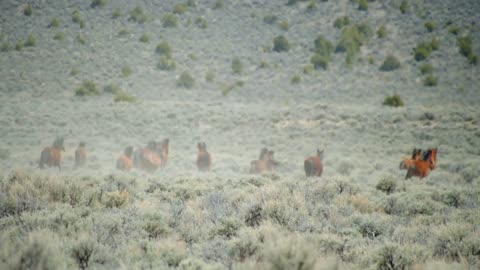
204, 159
422, 167
313, 165
80, 155
265, 162
148, 158
164, 155
52, 156
406, 162
125, 161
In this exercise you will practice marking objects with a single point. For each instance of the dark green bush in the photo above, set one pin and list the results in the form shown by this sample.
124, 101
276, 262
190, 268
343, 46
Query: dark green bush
430, 81
323, 46
390, 63
295, 79
237, 66
54, 23
423, 51
6, 46
430, 25
126, 71
186, 80
426, 69
404, 6
117, 13
164, 49
393, 101
180, 9
31, 41
353, 37
465, 45
169, 20
145, 38
88, 88
98, 3
58, 36
320, 61
363, 4
341, 22
382, 31
201, 22
137, 15
455, 30
280, 44
219, 4
387, 185
435, 44
166, 63
124, 97
270, 19
27, 10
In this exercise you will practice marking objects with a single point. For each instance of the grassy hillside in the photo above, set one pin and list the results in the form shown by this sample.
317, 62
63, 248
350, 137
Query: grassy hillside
292, 76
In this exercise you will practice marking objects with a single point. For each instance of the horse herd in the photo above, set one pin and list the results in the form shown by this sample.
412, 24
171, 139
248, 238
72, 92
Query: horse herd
155, 156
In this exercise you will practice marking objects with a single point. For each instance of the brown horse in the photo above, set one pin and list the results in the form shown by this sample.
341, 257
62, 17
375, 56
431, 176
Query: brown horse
407, 162
422, 167
148, 158
80, 155
125, 161
52, 156
313, 165
204, 159
265, 162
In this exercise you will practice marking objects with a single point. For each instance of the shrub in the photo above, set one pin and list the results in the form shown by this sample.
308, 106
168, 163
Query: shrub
117, 199
280, 44
219, 4
426, 69
363, 4
341, 22
393, 101
126, 71
404, 6
236, 66
312, 5
270, 19
455, 241
323, 46
6, 46
117, 13
145, 38
58, 36
112, 89
54, 23
228, 88
465, 45
473, 59
308, 69
382, 31
121, 96
166, 63
295, 79
370, 228
319, 61
31, 41
455, 30
88, 88
163, 48
387, 185
80, 39
430, 81
27, 10
390, 63
74, 71
290, 253
180, 9
201, 22
435, 44
423, 51
98, 3
77, 19
123, 32
353, 37
410, 204
137, 15
186, 80
83, 250
19, 45
156, 228
394, 257
209, 77
283, 25
430, 25
169, 20
228, 227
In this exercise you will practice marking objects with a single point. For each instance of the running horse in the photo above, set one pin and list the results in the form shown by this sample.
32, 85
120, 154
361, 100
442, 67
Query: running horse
52, 156
313, 165
422, 167
125, 161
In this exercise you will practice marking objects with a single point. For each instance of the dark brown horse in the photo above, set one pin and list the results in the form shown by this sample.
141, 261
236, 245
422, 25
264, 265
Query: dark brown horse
422, 167
125, 161
265, 162
80, 155
406, 162
149, 158
204, 159
52, 156
313, 165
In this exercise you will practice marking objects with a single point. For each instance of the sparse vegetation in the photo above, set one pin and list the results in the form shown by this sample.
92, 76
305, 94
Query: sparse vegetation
382, 31
123, 32
185, 80
423, 51
430, 81
164, 49
19, 46
455, 30
237, 66
88, 88
393, 101
218, 4
54, 23
319, 61
283, 25
58, 36
166, 63
28, 10
390, 63
126, 71
280, 44
209, 77
98, 3
426, 69
352, 39
145, 38
31, 41
270, 19
76, 18
6, 46
295, 79
201, 22
180, 9
465, 48
431, 26
363, 4
404, 6
121, 96
80, 39
387, 184
111, 88
341, 22
169, 20
117, 13
137, 15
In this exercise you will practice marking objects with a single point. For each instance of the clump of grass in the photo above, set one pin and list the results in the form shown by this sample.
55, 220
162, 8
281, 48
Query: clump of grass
454, 30
19, 46
54, 23
390, 63
28, 10
117, 199
435, 44
465, 48
6, 46
323, 52
430, 81
430, 25
88, 88
426, 69
308, 69
393, 101
229, 88
31, 41
270, 19
320, 61
186, 80
117, 13
387, 185
382, 31
166, 63
393, 256
352, 38
123, 32
76, 18
124, 97
263, 64
58, 36
111, 88
280, 44
201, 22
145, 38
137, 15
126, 71
98, 3
237, 66
363, 4
295, 79
219, 4
341, 22
312, 5
371, 59
74, 71
404, 6
80, 39
209, 77
169, 20
180, 9
283, 25
423, 51
164, 49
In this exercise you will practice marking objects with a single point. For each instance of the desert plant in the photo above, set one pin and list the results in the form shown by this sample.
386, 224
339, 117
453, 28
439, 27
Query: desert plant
393, 257
353, 37
404, 6
74, 71
308, 69
185, 80
28, 10
435, 44
83, 250
228, 227
180, 9
430, 81
387, 185
465, 48
201, 22
426, 68
323, 46
312, 5
295, 79
80, 39
280, 44
123, 32
117, 13
455, 30
58, 36
283, 25
98, 3
430, 25
6, 46
382, 31
137, 15
166, 63
229, 88
111, 88
145, 38
169, 20
237, 66
219, 4
31, 41
19, 46
4, 154
422, 51
320, 61
156, 228
209, 77
117, 199
270, 19
88, 88
390, 63
164, 49
393, 101
76, 18
54, 23
340, 22
126, 71
121, 96
363, 4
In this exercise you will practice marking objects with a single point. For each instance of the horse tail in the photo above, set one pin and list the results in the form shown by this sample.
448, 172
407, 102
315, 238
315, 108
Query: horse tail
44, 157
308, 166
